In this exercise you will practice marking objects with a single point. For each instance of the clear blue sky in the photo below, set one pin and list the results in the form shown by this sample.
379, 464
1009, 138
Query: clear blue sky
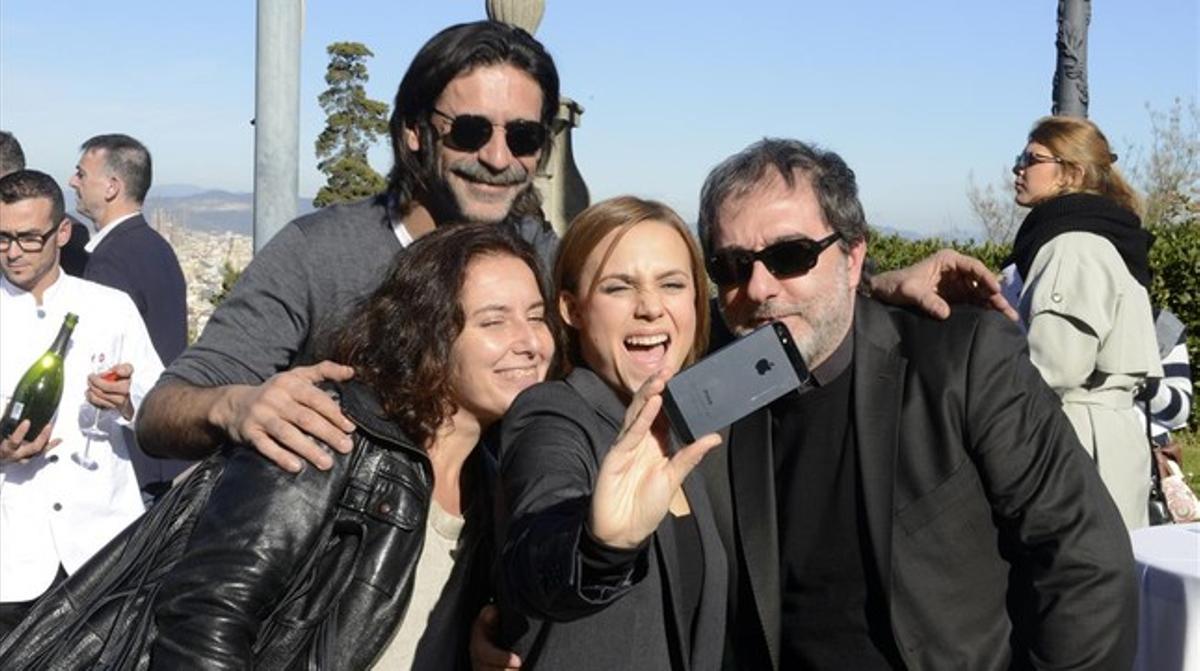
914, 95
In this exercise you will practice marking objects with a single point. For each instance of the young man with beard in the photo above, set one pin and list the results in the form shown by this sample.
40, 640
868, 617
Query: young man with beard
469, 124
925, 505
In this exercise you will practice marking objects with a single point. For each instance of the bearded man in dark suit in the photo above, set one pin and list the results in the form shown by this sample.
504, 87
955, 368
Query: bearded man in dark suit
925, 504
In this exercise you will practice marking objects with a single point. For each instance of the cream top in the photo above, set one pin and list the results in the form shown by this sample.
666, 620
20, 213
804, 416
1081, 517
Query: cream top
442, 534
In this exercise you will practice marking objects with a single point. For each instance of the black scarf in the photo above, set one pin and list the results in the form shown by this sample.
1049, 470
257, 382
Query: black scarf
1088, 213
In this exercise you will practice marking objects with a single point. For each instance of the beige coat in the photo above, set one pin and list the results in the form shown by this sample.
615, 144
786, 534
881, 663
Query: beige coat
1091, 334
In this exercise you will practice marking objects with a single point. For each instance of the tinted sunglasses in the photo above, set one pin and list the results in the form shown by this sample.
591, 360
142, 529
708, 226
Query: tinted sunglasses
470, 132
1028, 158
788, 258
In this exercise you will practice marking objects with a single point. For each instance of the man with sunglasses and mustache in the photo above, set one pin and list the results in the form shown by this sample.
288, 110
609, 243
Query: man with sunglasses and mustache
468, 127
925, 503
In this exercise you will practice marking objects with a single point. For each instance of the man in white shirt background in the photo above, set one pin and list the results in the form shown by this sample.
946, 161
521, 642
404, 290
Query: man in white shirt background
63, 494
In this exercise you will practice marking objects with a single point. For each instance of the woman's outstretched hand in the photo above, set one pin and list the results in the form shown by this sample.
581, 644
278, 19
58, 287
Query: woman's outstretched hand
637, 479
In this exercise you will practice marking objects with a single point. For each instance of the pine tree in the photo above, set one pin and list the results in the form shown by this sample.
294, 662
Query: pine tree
353, 123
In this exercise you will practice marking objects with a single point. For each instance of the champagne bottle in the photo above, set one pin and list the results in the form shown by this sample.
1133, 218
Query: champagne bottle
40, 389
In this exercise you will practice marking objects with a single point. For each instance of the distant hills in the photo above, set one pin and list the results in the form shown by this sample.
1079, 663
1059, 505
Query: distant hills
176, 190
217, 211
902, 232
209, 210
201, 209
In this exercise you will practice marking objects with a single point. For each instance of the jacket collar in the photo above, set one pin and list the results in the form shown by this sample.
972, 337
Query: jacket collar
115, 229
709, 632
361, 405
63, 286
598, 394
878, 369
1089, 213
878, 393
752, 479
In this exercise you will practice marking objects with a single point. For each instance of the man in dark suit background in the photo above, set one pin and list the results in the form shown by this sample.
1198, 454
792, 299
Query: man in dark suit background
72, 257
12, 157
925, 505
110, 183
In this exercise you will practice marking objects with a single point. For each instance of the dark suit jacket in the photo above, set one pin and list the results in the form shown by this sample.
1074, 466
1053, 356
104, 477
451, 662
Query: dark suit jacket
995, 541
137, 260
73, 257
553, 613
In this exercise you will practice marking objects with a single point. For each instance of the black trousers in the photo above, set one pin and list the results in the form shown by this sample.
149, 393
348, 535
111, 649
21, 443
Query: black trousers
12, 612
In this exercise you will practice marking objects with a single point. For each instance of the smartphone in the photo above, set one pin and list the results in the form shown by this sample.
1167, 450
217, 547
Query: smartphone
733, 382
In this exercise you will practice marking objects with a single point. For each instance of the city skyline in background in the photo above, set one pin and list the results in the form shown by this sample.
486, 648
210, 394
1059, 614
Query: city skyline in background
915, 97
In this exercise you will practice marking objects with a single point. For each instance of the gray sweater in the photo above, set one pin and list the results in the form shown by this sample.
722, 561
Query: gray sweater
299, 287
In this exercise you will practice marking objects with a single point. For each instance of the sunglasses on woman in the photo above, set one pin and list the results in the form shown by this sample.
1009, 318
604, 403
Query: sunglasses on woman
787, 258
470, 132
1028, 158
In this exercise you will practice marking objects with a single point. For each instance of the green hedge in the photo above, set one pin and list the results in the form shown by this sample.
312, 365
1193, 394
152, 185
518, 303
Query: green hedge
1174, 258
888, 252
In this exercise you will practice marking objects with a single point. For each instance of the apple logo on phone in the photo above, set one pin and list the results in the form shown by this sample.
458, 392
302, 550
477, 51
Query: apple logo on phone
763, 366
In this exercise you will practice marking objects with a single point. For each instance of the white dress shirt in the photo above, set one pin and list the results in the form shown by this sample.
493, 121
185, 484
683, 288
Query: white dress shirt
101, 233
53, 510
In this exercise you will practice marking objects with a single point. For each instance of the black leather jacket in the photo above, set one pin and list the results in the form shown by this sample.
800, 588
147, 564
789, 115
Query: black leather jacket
315, 569
246, 566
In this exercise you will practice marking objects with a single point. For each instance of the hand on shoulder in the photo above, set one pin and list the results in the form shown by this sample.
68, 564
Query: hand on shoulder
288, 416
939, 281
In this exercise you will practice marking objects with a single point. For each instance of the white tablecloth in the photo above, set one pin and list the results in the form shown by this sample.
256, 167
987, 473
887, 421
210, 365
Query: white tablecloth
1168, 566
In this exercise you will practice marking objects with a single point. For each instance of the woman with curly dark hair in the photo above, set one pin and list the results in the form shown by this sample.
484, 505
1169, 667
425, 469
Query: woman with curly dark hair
381, 561
457, 329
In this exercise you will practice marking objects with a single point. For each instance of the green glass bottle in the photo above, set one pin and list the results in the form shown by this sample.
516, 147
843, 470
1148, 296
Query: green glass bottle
40, 389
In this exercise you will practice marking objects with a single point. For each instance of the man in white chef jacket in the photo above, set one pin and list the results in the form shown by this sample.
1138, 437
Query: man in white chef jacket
63, 495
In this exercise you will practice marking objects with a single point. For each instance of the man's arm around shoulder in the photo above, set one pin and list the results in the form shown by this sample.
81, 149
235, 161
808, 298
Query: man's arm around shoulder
258, 329
280, 417
174, 421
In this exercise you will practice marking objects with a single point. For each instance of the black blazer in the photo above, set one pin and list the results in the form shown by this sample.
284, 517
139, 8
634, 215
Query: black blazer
554, 614
137, 260
73, 257
245, 565
994, 540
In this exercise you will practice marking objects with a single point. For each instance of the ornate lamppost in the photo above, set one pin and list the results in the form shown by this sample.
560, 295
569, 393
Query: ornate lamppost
1070, 71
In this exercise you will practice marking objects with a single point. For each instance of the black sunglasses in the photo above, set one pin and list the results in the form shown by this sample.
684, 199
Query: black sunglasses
1028, 158
788, 258
470, 132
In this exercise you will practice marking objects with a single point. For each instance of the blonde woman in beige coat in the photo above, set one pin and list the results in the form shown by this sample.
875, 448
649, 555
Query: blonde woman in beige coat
1080, 277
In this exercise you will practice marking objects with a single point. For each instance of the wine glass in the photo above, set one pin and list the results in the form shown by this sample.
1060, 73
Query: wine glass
102, 362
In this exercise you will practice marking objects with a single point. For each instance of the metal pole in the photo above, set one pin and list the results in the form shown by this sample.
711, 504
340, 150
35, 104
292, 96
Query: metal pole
276, 117
1070, 97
